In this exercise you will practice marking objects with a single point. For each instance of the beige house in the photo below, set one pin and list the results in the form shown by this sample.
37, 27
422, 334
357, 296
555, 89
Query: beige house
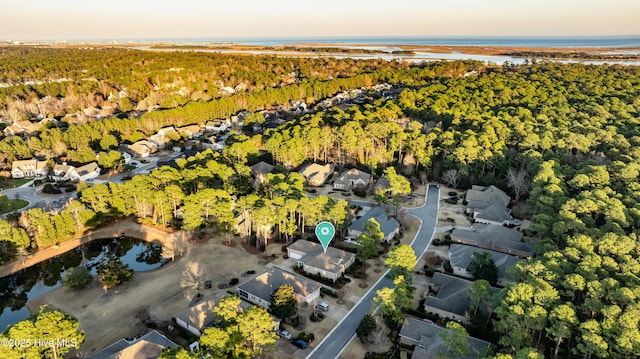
314, 260
142, 148
20, 127
28, 168
258, 290
162, 138
351, 179
190, 131
316, 174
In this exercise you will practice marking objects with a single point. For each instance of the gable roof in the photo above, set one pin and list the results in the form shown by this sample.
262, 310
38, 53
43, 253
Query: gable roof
261, 168
387, 224
147, 346
461, 256
200, 315
482, 197
316, 174
332, 260
86, 169
189, 129
453, 295
28, 165
352, 175
264, 284
495, 212
493, 236
429, 341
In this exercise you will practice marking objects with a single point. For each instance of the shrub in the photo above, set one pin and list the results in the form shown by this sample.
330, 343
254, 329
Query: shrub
328, 292
360, 192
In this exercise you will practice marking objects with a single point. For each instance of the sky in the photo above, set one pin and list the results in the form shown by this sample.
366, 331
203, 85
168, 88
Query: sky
229, 19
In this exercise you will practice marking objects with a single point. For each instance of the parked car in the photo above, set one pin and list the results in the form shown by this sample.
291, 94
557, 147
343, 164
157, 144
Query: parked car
284, 334
323, 306
299, 343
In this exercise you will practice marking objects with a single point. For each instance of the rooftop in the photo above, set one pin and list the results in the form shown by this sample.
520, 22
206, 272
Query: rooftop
387, 224
264, 284
461, 256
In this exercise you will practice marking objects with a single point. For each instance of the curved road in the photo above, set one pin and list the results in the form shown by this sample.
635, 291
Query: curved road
338, 338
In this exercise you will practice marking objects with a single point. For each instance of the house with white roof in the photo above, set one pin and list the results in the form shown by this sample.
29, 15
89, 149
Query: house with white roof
350, 179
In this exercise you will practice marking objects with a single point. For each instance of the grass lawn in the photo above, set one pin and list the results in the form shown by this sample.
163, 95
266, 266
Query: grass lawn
9, 205
6, 183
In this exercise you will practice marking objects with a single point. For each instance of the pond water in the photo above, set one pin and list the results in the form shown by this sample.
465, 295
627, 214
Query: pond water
19, 288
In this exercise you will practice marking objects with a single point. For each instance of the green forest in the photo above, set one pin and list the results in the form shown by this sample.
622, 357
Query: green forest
572, 128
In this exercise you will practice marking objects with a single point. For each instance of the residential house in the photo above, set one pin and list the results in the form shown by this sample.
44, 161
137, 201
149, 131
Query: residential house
316, 174
488, 205
60, 172
215, 143
85, 172
451, 299
259, 172
350, 179
495, 238
142, 148
219, 125
190, 131
383, 184
427, 341
258, 290
20, 127
162, 138
314, 260
196, 318
149, 345
28, 168
461, 256
388, 225
126, 157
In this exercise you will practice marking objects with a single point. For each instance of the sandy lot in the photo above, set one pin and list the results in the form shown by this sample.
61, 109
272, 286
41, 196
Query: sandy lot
107, 317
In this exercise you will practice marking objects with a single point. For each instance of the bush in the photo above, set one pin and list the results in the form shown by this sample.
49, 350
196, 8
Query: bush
328, 292
233, 281
51, 189
360, 192
447, 267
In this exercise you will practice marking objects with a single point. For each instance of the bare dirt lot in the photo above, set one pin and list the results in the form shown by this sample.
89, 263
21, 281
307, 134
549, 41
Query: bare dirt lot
108, 317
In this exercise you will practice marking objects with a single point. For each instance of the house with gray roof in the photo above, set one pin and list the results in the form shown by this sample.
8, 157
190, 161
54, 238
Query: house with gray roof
258, 290
196, 318
488, 205
316, 174
147, 346
461, 256
495, 238
259, 172
349, 179
426, 337
388, 225
314, 260
451, 299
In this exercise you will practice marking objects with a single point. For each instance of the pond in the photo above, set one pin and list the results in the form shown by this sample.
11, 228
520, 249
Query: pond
19, 288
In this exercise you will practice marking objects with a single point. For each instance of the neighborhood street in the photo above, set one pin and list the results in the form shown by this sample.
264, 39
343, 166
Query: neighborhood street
333, 344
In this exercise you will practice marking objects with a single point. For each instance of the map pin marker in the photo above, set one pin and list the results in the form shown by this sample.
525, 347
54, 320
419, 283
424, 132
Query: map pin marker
325, 232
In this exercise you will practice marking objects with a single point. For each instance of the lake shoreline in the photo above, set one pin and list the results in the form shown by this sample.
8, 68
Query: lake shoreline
128, 226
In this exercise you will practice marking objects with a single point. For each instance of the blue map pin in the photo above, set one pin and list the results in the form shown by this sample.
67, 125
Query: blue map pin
325, 232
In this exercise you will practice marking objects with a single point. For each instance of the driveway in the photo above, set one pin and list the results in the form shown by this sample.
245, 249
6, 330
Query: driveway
333, 344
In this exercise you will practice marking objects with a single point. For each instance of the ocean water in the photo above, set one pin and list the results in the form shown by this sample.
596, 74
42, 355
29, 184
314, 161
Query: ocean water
525, 41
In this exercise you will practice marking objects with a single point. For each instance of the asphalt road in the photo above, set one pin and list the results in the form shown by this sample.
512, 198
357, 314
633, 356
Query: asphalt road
333, 344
